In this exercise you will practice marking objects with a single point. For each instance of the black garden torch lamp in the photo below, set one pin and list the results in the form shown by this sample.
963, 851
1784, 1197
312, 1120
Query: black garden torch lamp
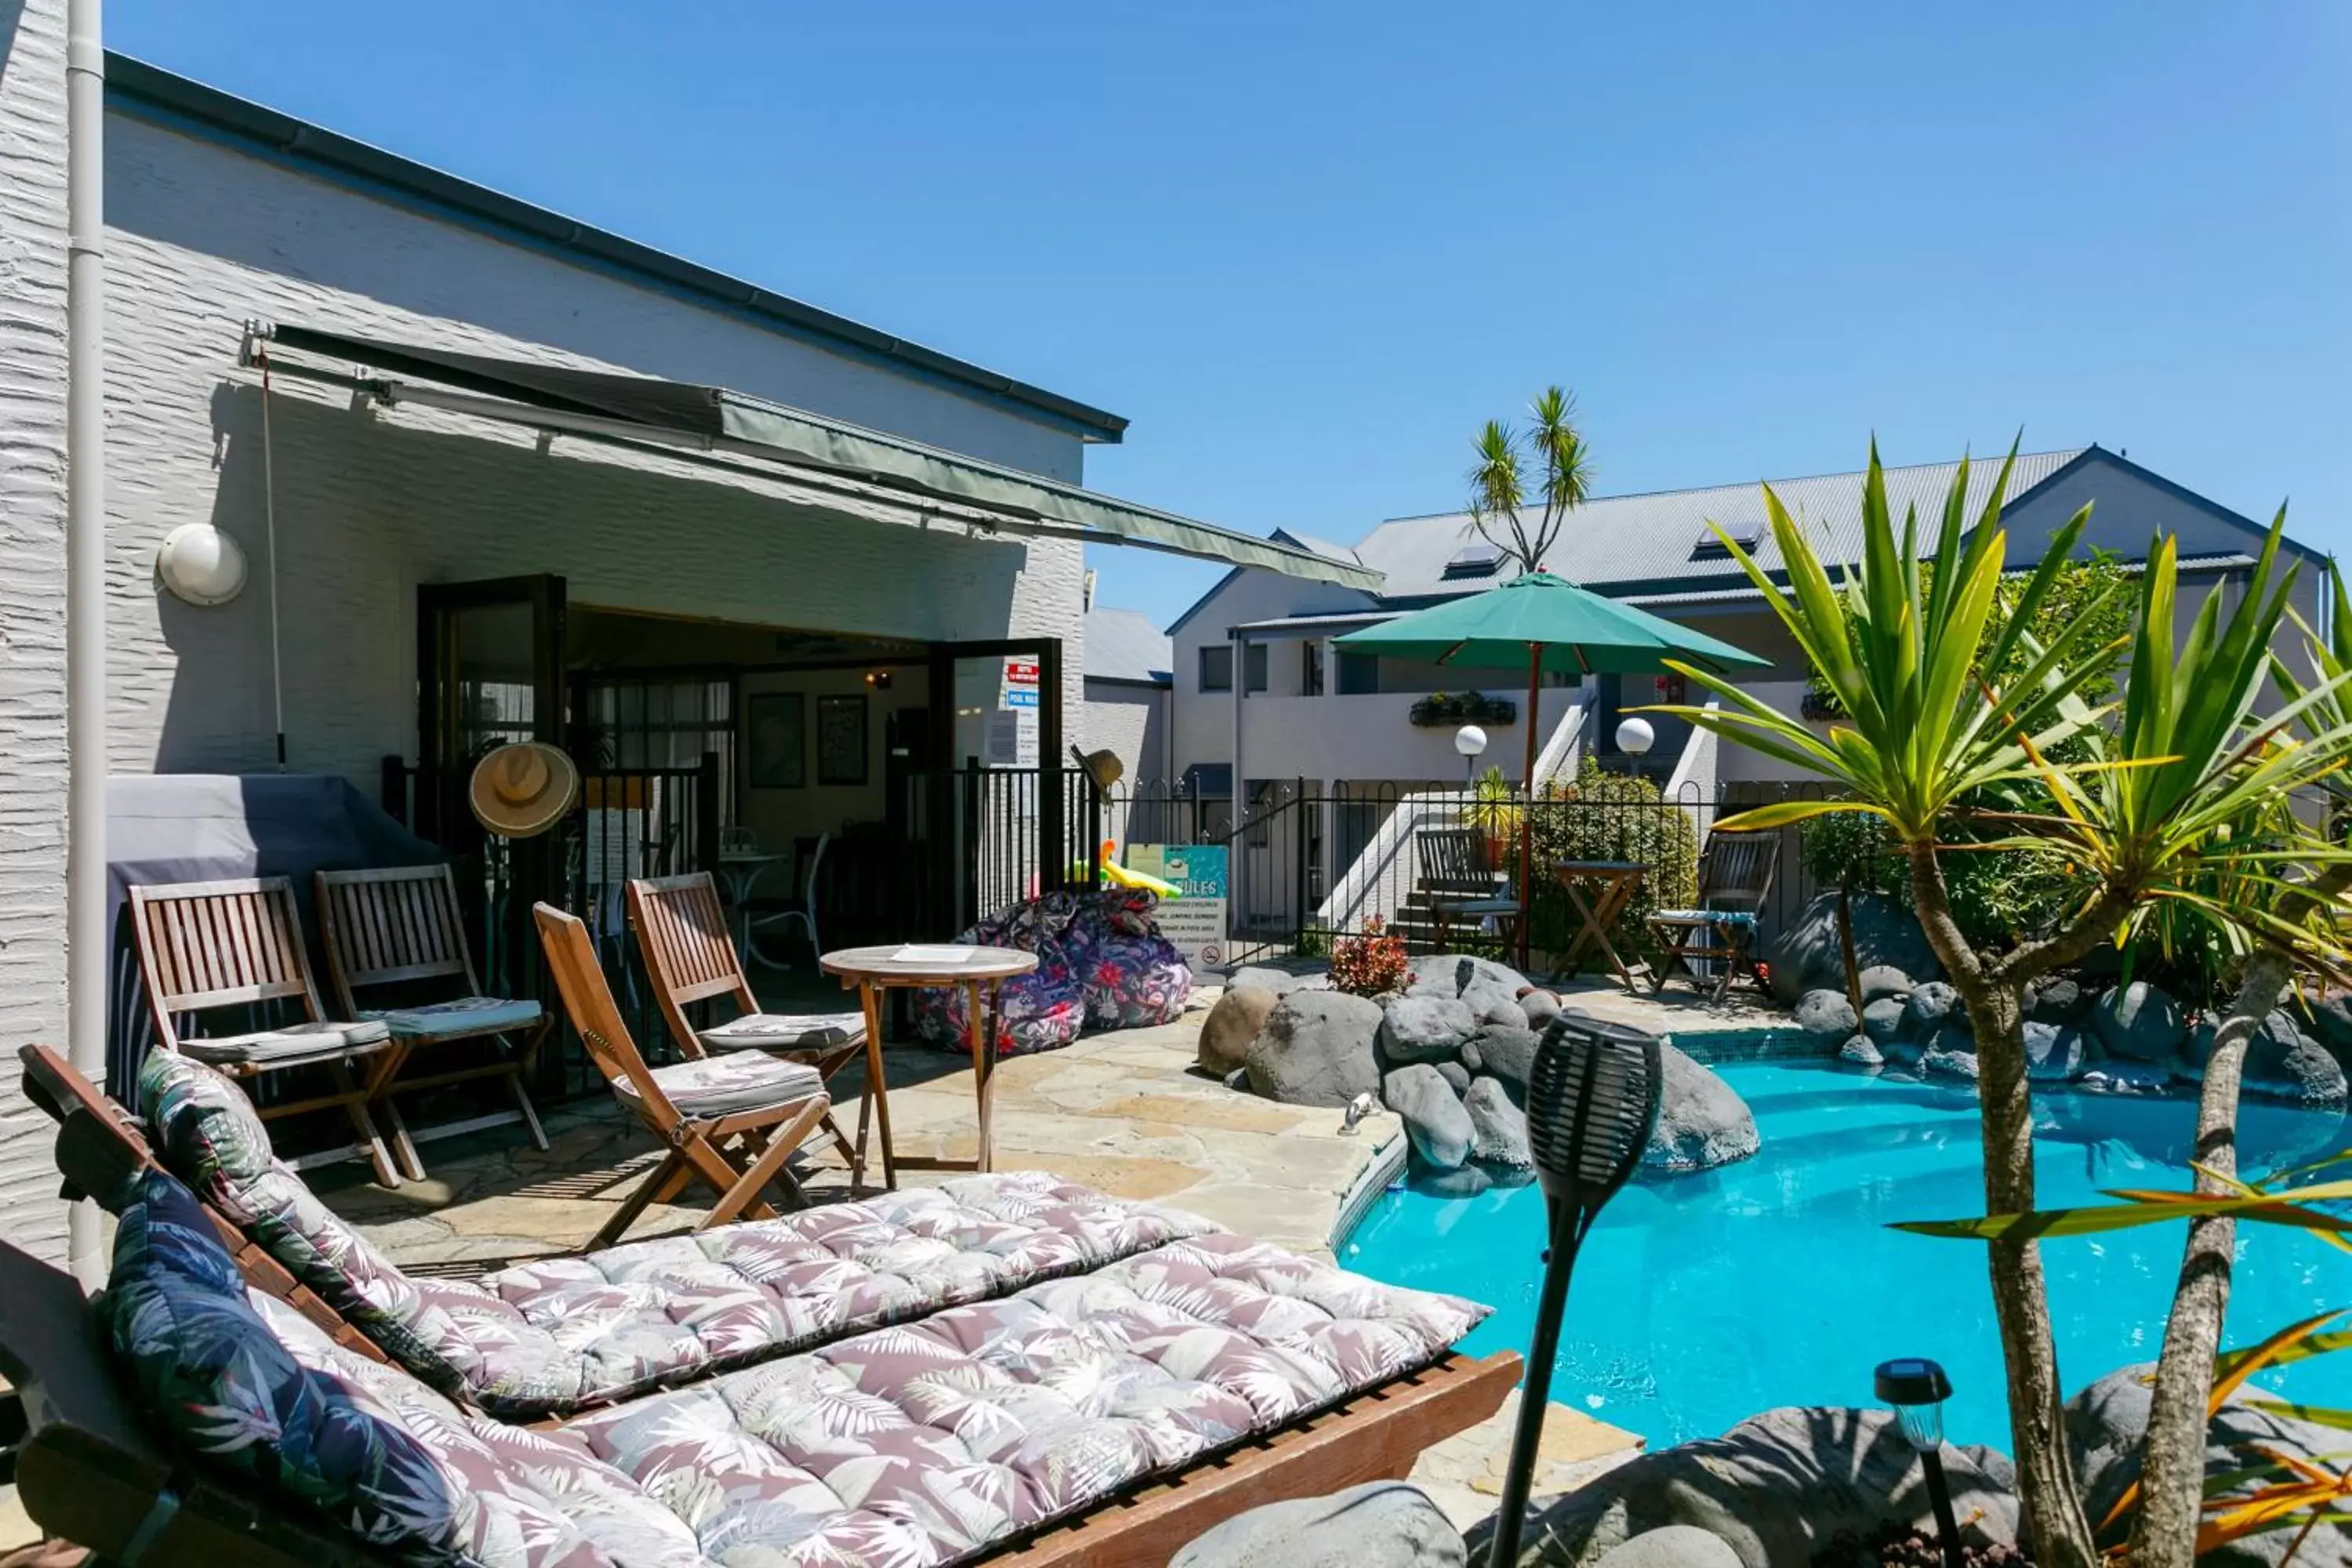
1592, 1102
1916, 1389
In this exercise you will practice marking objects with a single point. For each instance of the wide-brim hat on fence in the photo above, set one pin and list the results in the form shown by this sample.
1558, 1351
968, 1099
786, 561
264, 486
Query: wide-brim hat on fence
1102, 768
524, 789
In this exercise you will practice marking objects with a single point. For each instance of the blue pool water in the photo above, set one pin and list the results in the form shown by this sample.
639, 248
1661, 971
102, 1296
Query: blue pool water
1701, 1299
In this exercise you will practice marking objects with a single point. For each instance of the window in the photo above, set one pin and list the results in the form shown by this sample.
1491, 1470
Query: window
1253, 666
1217, 667
1359, 674
1310, 671
1480, 560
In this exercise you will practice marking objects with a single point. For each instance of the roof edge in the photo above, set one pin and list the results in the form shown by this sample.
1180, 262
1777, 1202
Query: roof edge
136, 85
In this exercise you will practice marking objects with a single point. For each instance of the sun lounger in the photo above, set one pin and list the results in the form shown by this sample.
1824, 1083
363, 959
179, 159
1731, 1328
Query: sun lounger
1102, 1419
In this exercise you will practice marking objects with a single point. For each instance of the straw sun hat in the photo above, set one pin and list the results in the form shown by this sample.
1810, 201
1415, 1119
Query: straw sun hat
524, 789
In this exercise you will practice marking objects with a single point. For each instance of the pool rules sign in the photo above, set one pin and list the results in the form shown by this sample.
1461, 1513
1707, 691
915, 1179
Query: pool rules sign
1195, 920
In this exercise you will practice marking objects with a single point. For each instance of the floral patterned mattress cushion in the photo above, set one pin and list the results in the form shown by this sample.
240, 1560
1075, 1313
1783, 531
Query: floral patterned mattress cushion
911, 1446
551, 1336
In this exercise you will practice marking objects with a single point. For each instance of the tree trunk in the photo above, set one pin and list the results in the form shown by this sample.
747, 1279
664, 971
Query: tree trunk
1996, 1002
2172, 1471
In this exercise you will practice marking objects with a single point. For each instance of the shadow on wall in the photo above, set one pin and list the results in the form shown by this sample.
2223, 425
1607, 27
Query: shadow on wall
368, 508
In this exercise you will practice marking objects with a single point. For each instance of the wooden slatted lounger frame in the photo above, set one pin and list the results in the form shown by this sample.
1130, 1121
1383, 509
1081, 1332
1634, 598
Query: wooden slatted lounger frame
87, 1470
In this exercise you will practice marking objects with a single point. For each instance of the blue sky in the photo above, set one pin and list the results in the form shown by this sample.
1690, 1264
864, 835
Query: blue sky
1308, 248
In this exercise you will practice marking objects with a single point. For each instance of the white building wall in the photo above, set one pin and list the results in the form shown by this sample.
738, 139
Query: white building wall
371, 504
1203, 720
32, 599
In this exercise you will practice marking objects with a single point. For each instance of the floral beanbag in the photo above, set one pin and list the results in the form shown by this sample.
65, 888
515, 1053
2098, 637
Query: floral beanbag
1101, 964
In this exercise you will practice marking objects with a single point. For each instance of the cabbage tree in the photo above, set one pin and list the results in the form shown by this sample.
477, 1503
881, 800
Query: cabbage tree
1930, 735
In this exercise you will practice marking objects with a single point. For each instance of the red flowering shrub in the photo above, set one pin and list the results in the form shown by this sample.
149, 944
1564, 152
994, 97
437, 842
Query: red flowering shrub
1370, 964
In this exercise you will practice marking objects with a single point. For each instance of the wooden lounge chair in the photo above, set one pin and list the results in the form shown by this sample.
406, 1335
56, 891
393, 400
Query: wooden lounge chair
392, 930
683, 935
730, 1121
209, 945
1457, 883
1735, 884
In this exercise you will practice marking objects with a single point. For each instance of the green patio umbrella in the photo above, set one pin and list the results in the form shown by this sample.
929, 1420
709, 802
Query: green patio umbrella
1539, 622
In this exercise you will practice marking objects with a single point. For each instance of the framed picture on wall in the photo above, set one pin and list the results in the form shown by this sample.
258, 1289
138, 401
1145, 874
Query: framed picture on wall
779, 741
841, 740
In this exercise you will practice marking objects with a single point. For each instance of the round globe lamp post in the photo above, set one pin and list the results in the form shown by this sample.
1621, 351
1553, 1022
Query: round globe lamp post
1471, 741
1915, 1389
1634, 737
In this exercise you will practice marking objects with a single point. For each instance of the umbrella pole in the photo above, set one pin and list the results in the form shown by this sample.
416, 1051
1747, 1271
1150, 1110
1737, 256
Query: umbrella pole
1527, 806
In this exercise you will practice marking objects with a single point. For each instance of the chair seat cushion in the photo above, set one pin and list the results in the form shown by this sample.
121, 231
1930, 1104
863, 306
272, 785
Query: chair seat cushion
785, 1031
466, 1016
1704, 917
721, 1086
1478, 906
295, 1043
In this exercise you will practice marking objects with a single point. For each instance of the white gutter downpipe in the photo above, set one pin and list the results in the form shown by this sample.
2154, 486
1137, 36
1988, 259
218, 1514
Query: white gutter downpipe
85, 581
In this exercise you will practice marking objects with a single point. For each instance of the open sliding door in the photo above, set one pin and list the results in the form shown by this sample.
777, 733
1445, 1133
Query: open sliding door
995, 813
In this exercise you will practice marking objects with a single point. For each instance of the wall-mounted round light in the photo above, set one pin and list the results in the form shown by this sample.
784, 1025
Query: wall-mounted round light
200, 563
1634, 736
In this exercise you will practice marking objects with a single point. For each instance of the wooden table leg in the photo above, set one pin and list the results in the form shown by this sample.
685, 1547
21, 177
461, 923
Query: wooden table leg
1614, 900
876, 1099
983, 1066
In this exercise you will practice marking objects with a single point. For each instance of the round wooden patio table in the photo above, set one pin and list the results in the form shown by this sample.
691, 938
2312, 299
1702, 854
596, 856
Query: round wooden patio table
871, 971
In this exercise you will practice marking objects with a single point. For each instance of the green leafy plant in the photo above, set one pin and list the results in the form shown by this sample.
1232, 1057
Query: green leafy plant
1916, 658
1551, 452
1494, 809
1371, 964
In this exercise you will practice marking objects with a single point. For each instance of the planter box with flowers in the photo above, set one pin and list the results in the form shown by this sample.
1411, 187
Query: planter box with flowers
1441, 707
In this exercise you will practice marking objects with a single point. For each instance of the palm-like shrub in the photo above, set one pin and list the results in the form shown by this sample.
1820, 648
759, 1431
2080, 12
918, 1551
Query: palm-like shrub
1944, 703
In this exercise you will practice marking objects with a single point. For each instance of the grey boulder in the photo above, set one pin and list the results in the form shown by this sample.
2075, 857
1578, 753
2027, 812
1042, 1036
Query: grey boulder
1826, 1015
2053, 1053
2125, 1078
1702, 1121
1884, 980
2331, 1023
1676, 1546
1944, 1058
1499, 1129
1457, 1076
1468, 1182
1425, 1028
1883, 1020
1806, 956
1861, 1052
1301, 974
1510, 1015
1776, 1489
2059, 1002
1541, 1006
2139, 1021
1317, 1049
1382, 1524
1434, 1119
2281, 1063
1504, 1053
1928, 1007
1480, 981
1232, 1025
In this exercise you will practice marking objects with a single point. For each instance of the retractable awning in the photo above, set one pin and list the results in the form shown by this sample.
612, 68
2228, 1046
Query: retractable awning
675, 413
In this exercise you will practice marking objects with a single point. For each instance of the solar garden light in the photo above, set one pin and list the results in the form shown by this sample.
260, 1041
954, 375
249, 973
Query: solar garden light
1592, 1102
1916, 1388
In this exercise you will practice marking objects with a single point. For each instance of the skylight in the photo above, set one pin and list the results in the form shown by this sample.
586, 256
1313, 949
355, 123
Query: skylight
1479, 560
1749, 534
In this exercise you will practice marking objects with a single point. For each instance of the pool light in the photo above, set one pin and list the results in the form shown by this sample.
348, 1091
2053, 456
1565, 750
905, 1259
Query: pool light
1592, 1103
1916, 1389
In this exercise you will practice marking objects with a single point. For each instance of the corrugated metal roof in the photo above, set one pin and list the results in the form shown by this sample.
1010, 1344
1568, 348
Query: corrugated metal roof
1123, 644
1653, 539
1322, 547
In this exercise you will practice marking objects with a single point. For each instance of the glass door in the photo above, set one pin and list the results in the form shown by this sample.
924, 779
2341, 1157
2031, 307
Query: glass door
489, 670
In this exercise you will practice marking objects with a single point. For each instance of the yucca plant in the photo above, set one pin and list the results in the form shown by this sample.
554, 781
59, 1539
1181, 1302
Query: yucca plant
1930, 736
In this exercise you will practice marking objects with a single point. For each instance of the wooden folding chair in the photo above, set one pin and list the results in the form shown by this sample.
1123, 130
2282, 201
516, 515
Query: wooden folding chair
683, 935
207, 945
1735, 884
1456, 882
729, 1121
392, 930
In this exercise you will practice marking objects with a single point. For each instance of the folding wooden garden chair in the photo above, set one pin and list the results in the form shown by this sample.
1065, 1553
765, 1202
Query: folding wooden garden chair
396, 932
730, 1121
1735, 883
209, 945
1457, 883
683, 933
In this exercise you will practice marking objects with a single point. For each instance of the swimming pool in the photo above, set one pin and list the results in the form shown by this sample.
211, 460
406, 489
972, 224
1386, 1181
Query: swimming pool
1701, 1299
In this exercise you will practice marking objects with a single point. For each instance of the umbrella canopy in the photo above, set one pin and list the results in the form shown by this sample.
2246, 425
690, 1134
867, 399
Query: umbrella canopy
1578, 633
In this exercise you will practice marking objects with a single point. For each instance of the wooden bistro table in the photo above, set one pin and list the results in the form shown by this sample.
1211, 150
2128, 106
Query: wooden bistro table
871, 971
1599, 890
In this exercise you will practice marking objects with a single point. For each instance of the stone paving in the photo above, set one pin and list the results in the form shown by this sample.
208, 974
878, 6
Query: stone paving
1122, 1111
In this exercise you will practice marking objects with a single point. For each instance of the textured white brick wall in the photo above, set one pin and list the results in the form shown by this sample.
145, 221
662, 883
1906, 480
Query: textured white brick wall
370, 504
32, 597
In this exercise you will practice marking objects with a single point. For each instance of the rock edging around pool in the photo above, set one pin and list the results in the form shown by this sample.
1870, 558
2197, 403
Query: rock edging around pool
1451, 1055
